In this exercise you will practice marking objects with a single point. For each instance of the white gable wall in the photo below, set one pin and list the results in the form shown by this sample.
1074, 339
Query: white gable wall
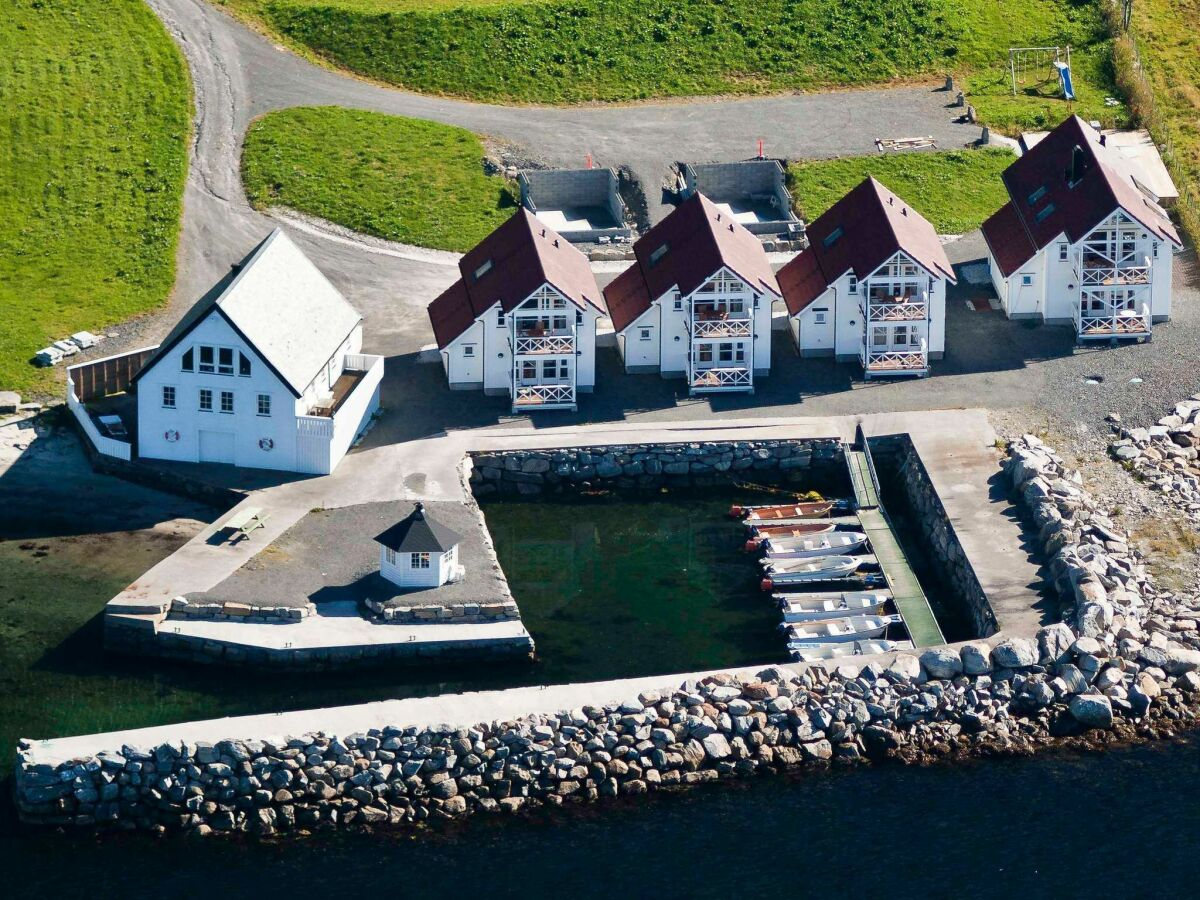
239, 431
465, 372
813, 337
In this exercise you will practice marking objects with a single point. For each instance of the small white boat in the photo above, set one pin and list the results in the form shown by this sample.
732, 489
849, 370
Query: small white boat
813, 607
800, 571
807, 510
760, 533
807, 652
840, 542
837, 631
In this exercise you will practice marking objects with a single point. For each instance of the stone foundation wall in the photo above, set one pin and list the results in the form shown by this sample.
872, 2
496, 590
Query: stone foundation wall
1123, 665
498, 611
937, 532
651, 466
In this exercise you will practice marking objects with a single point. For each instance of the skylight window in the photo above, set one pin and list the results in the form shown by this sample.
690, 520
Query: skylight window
833, 237
1037, 195
482, 270
1044, 212
658, 254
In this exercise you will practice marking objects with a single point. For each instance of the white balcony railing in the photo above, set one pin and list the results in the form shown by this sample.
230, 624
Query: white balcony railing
722, 328
722, 379
544, 345
1102, 273
895, 361
894, 310
1112, 323
543, 395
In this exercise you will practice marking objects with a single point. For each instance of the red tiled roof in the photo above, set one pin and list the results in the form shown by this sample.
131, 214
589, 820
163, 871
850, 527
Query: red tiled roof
874, 225
699, 241
524, 255
1008, 240
1045, 203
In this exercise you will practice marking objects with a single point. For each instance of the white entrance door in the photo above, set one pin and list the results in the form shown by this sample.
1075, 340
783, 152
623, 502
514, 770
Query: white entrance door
216, 446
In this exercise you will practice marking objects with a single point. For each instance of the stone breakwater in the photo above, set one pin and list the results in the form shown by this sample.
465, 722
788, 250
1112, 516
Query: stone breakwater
1122, 664
1166, 455
407, 613
230, 611
650, 466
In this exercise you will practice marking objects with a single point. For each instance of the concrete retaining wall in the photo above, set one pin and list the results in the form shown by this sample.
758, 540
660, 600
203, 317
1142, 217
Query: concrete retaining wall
653, 466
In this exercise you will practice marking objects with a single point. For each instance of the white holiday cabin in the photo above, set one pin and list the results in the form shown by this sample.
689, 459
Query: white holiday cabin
871, 287
1081, 240
418, 552
265, 371
697, 301
521, 319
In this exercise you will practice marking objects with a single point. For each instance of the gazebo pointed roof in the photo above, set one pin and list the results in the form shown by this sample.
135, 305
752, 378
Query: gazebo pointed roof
417, 533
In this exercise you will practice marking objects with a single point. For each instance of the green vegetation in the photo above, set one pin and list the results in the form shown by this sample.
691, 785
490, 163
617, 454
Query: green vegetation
1165, 93
95, 118
955, 190
563, 51
402, 179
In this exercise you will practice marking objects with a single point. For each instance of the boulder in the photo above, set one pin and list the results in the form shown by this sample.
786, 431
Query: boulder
904, 667
1188, 682
941, 662
716, 746
1054, 643
1015, 653
1181, 660
1092, 710
1094, 619
975, 658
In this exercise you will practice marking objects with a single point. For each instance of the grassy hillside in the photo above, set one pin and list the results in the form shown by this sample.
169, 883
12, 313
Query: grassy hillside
94, 117
562, 51
955, 190
402, 179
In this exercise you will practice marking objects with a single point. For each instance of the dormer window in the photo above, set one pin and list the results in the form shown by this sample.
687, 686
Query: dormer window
658, 254
833, 237
1037, 195
482, 270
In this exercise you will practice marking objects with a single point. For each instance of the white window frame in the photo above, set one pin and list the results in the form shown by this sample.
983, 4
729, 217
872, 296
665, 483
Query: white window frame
1026, 280
226, 395
645, 334
168, 396
468, 351
418, 560
205, 401
264, 405
819, 316
1062, 252
390, 555
852, 284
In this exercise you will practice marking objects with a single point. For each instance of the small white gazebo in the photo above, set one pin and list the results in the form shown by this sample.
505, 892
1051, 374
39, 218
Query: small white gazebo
419, 552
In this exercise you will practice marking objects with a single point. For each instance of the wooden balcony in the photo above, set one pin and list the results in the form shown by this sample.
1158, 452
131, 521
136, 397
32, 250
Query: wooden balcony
887, 363
544, 344
896, 309
543, 396
722, 328
1113, 324
722, 379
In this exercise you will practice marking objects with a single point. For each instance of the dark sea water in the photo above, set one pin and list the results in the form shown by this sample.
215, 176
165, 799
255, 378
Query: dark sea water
1120, 824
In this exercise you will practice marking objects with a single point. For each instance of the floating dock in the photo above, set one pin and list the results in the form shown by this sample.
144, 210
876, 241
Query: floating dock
909, 598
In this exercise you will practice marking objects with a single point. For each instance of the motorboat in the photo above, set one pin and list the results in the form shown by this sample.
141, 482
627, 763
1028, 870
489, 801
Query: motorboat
760, 533
809, 510
813, 607
799, 571
837, 631
809, 652
841, 542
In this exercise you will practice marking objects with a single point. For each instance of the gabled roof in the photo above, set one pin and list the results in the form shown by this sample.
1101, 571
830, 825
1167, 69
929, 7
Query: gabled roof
506, 267
281, 305
699, 240
859, 233
417, 533
1068, 183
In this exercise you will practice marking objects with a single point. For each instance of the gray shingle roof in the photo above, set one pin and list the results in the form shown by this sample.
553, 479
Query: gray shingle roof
417, 533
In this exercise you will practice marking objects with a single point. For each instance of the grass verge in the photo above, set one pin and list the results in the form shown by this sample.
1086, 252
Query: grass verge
566, 51
402, 179
95, 119
955, 190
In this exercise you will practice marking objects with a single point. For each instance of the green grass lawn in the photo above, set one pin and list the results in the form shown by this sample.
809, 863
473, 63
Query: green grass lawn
955, 190
402, 179
94, 111
563, 51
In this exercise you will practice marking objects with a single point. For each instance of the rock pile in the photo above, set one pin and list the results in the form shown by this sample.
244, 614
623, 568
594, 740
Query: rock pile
1166, 455
1125, 662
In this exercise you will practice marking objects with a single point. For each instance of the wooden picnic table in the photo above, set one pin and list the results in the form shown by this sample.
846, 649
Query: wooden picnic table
245, 520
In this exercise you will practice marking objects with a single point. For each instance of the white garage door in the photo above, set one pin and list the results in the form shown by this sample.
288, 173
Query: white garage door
216, 446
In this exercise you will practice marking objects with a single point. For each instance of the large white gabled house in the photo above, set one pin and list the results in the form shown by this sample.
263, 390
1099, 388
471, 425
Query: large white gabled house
1081, 239
521, 319
697, 301
266, 371
871, 286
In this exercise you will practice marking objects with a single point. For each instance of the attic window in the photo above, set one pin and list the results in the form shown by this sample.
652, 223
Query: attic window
1037, 195
833, 237
658, 254
482, 270
1044, 212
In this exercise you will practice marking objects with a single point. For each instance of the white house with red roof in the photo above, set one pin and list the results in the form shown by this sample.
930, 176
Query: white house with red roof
697, 301
871, 287
1081, 240
521, 319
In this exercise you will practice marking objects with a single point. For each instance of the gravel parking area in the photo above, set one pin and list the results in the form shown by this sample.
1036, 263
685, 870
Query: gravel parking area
330, 556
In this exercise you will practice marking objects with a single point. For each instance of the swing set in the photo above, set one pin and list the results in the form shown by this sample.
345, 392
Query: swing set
1040, 66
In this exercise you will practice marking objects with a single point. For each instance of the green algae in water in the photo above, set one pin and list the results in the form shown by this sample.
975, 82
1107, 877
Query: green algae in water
613, 587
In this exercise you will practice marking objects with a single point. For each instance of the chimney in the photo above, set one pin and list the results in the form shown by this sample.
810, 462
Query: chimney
556, 242
1103, 139
419, 510
904, 210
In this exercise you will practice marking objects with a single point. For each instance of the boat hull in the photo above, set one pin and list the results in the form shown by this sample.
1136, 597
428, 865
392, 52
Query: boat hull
813, 510
809, 548
816, 611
